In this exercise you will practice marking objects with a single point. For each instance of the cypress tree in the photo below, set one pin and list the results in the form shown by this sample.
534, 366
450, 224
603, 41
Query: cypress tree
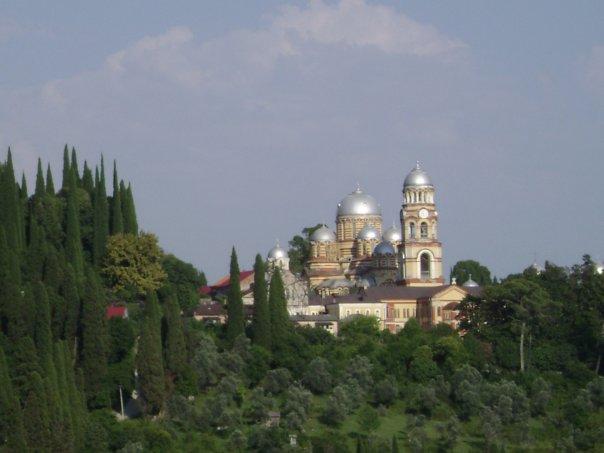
74, 166
73, 241
23, 193
40, 184
261, 321
42, 334
64, 405
278, 309
11, 298
66, 168
36, 250
175, 348
149, 359
69, 291
24, 363
87, 182
133, 222
36, 413
50, 184
76, 400
12, 431
10, 215
93, 356
235, 320
117, 221
101, 219
128, 212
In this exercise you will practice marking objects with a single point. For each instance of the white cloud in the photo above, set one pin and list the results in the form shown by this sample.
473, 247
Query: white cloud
357, 23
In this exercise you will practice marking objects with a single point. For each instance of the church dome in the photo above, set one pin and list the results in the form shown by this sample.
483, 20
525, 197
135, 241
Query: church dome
417, 178
368, 233
470, 283
359, 203
384, 248
323, 234
392, 234
277, 253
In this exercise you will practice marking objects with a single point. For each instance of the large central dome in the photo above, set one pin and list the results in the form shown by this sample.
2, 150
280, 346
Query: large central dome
359, 203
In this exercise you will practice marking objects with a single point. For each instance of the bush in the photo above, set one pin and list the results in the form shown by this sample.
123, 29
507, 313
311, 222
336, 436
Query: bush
317, 377
386, 391
277, 380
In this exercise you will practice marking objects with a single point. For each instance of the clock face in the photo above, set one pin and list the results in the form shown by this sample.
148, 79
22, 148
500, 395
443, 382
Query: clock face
423, 213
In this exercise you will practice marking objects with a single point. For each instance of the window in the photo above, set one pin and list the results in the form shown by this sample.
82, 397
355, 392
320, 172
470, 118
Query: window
366, 312
425, 266
438, 311
412, 230
347, 312
423, 230
377, 313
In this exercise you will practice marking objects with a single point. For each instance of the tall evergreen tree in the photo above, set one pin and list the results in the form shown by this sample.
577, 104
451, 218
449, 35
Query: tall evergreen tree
12, 431
128, 211
69, 292
262, 317
235, 319
101, 219
40, 184
280, 324
66, 168
175, 347
149, 359
23, 193
36, 413
50, 184
117, 220
42, 334
74, 166
65, 408
133, 222
73, 240
87, 182
10, 215
11, 297
93, 355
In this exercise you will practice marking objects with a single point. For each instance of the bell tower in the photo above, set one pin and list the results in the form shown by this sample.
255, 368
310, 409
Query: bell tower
420, 252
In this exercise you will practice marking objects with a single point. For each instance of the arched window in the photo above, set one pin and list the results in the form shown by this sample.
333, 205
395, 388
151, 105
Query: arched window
424, 261
366, 312
423, 230
412, 230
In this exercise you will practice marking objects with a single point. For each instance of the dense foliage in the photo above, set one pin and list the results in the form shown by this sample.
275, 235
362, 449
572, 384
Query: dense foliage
523, 373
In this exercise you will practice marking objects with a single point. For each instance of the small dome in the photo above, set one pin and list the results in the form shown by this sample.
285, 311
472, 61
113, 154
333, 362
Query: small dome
392, 234
323, 234
277, 253
384, 248
359, 203
470, 283
417, 178
368, 233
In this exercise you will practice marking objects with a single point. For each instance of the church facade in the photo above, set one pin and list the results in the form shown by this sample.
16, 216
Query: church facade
361, 253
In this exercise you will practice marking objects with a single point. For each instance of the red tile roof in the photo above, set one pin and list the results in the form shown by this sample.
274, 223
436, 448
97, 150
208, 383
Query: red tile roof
224, 282
114, 311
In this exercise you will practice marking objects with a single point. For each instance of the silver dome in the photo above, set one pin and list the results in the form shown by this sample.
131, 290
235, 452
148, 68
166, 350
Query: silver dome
417, 178
277, 253
323, 234
384, 248
392, 234
470, 283
368, 233
359, 203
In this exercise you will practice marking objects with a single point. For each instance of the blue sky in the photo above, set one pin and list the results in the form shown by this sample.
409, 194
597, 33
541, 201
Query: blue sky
241, 122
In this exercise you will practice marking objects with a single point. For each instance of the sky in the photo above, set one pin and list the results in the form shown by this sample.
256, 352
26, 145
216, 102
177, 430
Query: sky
239, 123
